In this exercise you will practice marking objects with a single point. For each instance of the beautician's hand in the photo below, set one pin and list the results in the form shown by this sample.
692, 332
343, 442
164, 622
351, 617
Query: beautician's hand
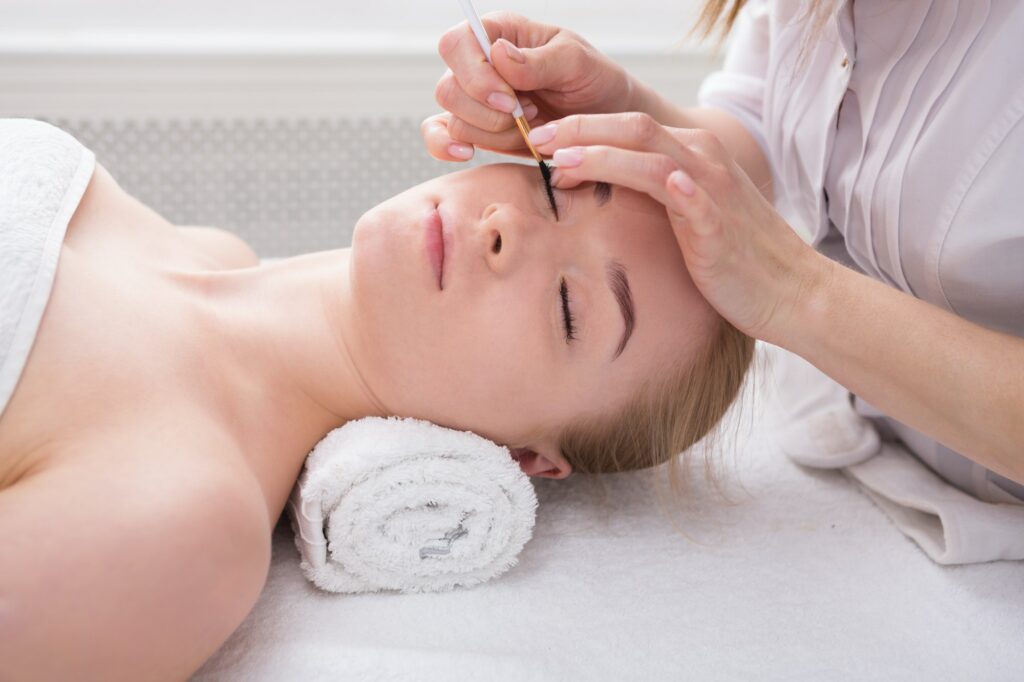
555, 72
745, 259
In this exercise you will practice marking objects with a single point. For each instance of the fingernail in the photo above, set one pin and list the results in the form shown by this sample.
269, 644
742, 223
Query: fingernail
568, 158
514, 53
530, 111
502, 102
682, 182
461, 151
544, 134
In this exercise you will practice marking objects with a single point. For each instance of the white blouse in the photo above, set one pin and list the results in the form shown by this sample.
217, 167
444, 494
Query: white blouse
896, 140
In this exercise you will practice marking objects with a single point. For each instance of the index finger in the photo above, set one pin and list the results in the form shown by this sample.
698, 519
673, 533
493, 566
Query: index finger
517, 29
460, 50
632, 130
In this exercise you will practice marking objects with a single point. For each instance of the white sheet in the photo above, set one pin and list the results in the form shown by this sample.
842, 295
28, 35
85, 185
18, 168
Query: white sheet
803, 578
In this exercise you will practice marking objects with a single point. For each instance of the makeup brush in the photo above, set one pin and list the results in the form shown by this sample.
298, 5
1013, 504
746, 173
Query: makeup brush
517, 113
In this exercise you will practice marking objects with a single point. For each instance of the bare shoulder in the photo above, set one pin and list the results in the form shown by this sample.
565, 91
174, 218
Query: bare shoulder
128, 568
226, 249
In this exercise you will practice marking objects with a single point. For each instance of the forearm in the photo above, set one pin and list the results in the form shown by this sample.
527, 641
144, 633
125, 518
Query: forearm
958, 382
741, 145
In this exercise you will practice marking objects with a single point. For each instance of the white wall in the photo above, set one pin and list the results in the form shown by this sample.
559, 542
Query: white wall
638, 25
227, 58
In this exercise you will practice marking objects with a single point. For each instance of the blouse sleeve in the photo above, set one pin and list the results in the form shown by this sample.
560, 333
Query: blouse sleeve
738, 88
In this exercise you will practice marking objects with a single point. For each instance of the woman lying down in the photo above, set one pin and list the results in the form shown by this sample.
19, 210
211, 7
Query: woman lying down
160, 389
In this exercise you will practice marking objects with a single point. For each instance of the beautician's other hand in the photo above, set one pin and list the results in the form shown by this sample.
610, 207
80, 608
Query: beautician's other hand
742, 255
555, 72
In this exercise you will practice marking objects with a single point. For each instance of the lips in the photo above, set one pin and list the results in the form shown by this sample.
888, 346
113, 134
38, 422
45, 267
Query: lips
434, 243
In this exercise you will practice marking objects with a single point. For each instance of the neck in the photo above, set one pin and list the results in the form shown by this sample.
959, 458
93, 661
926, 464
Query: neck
288, 374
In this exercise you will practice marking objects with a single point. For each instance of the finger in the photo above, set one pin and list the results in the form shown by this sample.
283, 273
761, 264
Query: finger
516, 28
440, 145
634, 131
507, 141
701, 140
695, 222
645, 172
450, 95
689, 201
528, 55
544, 67
460, 50
694, 215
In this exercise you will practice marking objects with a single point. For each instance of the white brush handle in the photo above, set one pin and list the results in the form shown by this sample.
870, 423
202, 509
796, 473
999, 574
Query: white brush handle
485, 42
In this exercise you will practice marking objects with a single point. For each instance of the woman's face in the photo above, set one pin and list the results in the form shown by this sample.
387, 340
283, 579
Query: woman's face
488, 348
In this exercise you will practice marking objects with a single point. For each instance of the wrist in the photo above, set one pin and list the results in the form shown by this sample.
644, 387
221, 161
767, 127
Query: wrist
816, 290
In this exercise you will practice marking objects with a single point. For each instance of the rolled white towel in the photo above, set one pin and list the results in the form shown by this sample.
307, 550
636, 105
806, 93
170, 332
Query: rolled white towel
404, 504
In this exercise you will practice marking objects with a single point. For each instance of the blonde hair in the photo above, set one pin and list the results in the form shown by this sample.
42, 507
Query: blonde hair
718, 16
668, 414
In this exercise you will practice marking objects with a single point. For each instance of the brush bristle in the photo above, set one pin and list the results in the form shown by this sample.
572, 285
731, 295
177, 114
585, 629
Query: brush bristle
546, 172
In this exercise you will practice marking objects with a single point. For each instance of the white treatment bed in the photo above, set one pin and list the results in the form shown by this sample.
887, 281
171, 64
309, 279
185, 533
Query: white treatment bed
801, 578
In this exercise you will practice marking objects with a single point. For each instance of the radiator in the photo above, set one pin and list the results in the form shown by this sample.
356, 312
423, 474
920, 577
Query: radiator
286, 186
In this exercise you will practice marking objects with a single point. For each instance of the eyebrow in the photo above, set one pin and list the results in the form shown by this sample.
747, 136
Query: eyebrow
602, 193
619, 285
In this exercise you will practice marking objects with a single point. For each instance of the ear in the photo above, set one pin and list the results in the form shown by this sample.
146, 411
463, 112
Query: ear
544, 461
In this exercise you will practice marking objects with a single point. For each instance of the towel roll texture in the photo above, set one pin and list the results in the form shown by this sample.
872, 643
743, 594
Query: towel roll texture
403, 504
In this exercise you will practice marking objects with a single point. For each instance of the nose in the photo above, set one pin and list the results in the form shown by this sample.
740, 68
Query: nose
506, 233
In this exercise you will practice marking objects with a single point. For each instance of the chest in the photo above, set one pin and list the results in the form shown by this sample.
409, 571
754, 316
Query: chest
116, 349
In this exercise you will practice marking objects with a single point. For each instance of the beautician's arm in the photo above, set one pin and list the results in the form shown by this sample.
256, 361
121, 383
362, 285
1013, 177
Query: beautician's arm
958, 382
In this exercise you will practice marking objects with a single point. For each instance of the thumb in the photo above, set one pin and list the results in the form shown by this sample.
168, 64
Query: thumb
528, 68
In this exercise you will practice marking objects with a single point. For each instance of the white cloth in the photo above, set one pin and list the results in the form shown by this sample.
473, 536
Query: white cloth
820, 428
403, 504
43, 175
896, 140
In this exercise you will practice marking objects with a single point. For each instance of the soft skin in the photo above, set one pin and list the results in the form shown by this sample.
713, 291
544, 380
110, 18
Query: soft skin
489, 351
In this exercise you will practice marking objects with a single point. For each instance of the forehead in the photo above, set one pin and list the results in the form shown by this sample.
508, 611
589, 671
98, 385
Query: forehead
632, 223
671, 314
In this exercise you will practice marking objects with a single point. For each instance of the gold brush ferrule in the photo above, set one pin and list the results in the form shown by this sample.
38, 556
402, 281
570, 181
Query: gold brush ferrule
524, 129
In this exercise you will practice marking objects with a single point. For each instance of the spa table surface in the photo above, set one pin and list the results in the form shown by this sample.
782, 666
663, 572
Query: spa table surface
800, 577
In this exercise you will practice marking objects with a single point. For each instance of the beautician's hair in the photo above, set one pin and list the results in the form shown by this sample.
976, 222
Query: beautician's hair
718, 16
668, 414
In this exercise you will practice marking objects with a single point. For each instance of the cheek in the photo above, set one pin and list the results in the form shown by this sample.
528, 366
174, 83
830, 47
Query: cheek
389, 304
507, 375
378, 276
479, 365
494, 348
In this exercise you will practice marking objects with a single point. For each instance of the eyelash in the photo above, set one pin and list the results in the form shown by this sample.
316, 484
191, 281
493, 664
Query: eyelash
570, 330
